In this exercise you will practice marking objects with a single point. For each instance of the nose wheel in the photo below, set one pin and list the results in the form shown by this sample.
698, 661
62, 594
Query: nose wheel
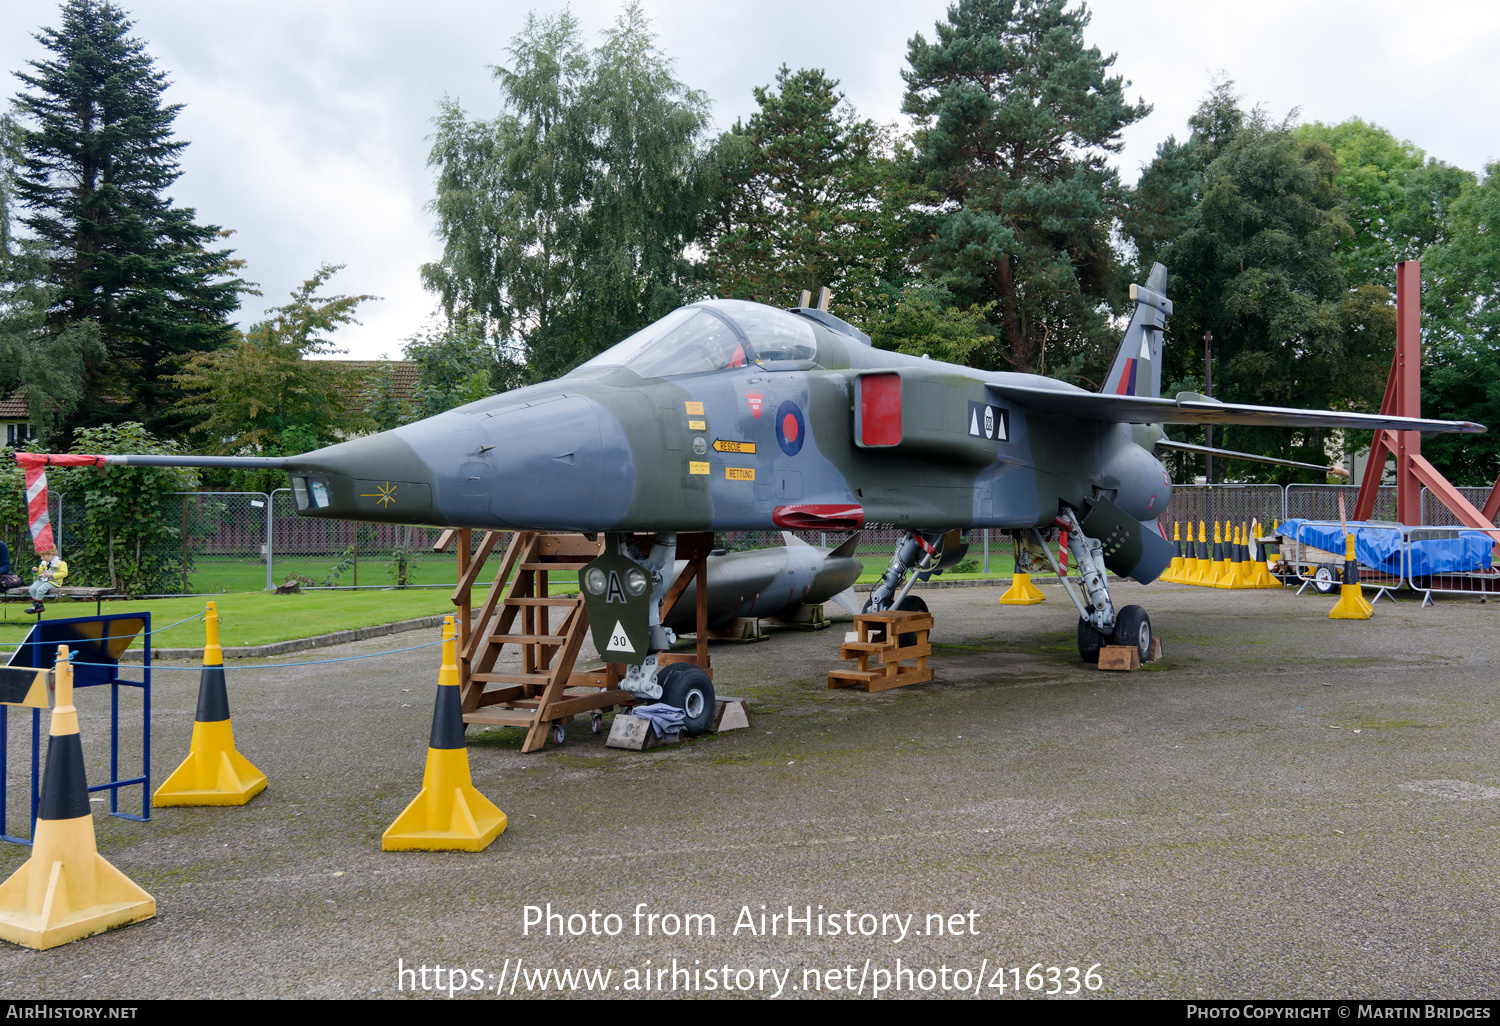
1132, 629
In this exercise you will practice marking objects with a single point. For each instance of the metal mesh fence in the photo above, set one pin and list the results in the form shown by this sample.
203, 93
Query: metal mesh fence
1208, 504
1438, 515
349, 554
1321, 502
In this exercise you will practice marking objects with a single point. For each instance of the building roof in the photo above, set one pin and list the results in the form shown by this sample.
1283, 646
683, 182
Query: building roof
13, 406
403, 374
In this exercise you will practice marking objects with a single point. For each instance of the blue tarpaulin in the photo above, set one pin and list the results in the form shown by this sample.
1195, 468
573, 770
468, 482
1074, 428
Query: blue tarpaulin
1379, 546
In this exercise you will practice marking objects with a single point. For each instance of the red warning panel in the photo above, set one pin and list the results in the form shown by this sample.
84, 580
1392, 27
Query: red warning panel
880, 409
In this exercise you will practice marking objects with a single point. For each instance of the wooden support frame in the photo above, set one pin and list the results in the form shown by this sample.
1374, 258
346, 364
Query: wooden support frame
888, 672
519, 610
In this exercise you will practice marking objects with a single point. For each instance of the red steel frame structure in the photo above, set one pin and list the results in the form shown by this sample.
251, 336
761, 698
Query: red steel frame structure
1403, 398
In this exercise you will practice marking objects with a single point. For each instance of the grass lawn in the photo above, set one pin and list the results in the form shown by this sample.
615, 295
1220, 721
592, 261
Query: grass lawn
260, 617
252, 618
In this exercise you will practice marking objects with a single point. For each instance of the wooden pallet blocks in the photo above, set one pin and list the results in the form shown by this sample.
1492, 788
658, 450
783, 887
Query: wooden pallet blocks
879, 654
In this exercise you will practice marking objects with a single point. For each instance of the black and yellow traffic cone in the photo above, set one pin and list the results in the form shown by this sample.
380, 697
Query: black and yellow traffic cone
214, 773
449, 814
1351, 604
1021, 591
1176, 569
67, 891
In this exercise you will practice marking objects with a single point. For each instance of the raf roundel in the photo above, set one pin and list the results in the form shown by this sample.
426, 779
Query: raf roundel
790, 427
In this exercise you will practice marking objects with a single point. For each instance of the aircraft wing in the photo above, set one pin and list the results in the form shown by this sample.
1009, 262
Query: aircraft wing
1191, 408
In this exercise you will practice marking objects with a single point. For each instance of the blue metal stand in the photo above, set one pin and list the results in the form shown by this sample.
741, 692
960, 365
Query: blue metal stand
96, 644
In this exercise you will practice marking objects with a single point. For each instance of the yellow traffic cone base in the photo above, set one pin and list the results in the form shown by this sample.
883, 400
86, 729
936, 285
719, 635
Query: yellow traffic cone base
214, 773
1351, 604
66, 890
449, 814
1022, 592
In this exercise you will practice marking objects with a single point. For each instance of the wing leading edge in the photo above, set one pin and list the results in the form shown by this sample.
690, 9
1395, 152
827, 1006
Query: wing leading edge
1191, 408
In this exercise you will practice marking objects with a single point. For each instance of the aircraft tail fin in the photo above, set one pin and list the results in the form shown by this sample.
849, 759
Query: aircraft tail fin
1137, 367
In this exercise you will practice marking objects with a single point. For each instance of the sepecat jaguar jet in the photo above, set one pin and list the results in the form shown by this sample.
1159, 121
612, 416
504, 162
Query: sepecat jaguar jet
730, 415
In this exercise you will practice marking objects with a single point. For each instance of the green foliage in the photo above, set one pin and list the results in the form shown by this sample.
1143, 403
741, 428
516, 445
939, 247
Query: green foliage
97, 156
800, 200
565, 219
1397, 199
406, 556
131, 535
264, 396
1257, 262
1461, 315
1015, 119
923, 322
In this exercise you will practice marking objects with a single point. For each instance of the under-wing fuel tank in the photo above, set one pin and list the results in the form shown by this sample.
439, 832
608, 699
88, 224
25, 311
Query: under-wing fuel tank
771, 582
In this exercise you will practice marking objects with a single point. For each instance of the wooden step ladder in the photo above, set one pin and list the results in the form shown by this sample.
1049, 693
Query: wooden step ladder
549, 631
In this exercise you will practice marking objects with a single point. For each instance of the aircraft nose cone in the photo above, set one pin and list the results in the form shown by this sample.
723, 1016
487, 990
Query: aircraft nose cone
379, 477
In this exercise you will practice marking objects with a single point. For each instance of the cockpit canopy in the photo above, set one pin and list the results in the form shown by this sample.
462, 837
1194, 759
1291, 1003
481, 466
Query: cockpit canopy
720, 334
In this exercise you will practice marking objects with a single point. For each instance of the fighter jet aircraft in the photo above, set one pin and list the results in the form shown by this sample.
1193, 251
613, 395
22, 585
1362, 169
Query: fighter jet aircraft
730, 415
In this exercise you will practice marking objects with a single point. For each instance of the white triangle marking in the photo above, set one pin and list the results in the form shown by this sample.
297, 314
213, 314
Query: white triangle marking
619, 641
974, 423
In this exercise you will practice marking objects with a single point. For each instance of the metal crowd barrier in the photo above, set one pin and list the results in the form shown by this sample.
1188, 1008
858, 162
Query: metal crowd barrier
1322, 569
1480, 580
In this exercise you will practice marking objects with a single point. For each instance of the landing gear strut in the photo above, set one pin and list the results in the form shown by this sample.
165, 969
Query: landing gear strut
1099, 624
916, 549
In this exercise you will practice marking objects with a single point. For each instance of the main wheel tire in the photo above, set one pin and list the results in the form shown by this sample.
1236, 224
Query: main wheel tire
1090, 641
688, 688
1325, 579
1133, 627
911, 604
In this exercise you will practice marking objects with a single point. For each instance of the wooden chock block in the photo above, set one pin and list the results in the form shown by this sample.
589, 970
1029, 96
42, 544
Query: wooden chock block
1155, 656
1119, 657
633, 733
730, 714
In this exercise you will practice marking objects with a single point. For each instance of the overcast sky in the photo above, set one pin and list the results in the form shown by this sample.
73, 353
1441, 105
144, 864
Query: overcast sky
308, 121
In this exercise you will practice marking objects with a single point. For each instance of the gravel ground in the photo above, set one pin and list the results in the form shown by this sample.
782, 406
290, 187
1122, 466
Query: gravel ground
1285, 806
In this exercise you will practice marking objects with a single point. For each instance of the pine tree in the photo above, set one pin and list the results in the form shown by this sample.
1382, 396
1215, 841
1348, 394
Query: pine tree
1016, 117
97, 158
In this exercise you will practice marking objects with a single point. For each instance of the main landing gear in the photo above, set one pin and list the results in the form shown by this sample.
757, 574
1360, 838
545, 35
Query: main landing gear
1099, 624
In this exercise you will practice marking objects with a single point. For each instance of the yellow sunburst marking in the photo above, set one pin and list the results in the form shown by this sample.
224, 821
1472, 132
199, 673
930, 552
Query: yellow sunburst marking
384, 497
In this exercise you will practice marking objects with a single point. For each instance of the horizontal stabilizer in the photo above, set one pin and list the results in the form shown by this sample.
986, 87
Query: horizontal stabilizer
1190, 408
1167, 443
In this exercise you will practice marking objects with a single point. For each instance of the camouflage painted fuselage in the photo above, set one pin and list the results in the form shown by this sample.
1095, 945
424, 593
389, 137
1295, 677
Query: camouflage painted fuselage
604, 449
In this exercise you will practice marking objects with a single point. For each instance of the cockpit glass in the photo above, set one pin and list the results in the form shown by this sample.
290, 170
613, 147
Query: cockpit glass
703, 342
775, 334
722, 334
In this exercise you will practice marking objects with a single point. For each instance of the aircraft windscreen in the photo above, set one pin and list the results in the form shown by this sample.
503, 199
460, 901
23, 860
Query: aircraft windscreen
721, 334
